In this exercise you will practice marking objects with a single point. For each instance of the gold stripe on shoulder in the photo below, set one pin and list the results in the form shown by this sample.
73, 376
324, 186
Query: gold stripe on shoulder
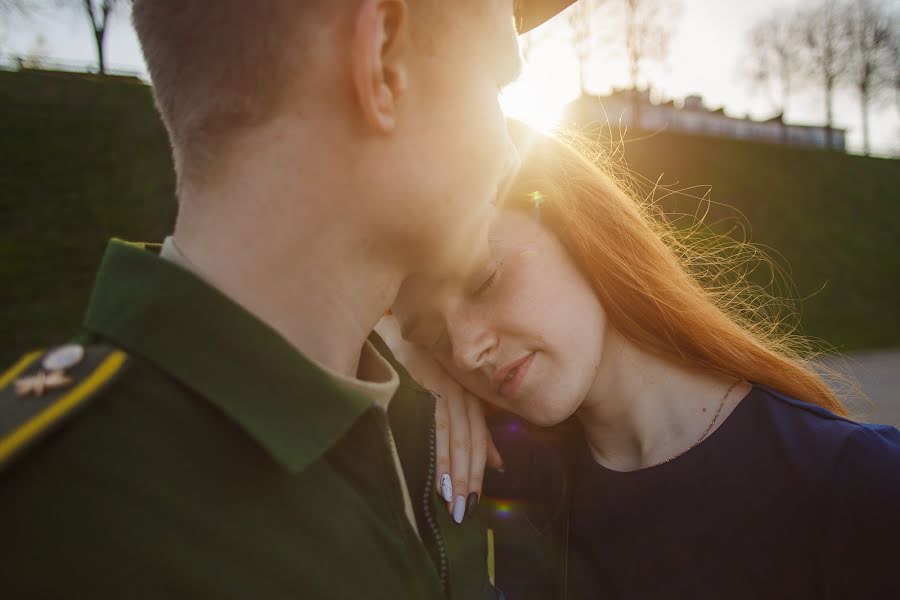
17, 368
62, 406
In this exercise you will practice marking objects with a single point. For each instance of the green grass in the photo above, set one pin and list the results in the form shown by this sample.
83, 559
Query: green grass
85, 159
831, 220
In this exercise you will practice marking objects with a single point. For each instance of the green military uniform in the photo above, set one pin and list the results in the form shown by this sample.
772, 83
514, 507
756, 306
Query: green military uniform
191, 451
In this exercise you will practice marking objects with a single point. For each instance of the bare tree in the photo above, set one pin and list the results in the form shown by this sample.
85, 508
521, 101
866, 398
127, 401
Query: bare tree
99, 12
872, 31
824, 34
639, 31
648, 26
773, 61
642, 30
580, 18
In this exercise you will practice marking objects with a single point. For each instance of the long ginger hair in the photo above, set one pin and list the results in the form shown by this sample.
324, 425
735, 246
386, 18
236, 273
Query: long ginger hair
644, 272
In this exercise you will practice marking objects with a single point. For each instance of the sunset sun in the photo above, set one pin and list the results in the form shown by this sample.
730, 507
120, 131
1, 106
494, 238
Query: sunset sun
547, 84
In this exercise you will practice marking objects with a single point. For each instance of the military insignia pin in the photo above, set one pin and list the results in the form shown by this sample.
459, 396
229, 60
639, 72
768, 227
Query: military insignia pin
39, 383
53, 376
64, 357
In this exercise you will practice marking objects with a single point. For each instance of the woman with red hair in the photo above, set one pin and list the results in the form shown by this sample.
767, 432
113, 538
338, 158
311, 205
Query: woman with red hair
659, 437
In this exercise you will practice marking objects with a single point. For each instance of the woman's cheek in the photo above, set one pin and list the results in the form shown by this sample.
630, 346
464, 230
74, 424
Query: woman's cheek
476, 384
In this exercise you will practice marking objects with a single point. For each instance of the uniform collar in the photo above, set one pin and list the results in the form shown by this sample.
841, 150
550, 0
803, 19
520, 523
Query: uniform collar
161, 312
377, 380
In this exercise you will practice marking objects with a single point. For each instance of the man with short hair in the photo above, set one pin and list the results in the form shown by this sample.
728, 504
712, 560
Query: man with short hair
226, 426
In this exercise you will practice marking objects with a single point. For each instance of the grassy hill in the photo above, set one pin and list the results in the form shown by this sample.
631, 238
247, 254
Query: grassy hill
831, 220
85, 159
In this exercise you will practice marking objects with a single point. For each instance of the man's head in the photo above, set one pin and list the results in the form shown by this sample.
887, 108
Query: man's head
390, 105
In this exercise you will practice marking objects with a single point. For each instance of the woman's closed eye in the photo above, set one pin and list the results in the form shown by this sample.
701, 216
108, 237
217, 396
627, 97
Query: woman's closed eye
487, 283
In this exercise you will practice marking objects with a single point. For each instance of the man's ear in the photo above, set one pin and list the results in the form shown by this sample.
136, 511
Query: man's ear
380, 51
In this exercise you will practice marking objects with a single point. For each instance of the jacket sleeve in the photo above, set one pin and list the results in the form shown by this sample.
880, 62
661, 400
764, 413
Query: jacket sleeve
865, 516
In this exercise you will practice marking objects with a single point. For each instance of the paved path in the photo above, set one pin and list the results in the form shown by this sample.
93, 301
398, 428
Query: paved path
879, 374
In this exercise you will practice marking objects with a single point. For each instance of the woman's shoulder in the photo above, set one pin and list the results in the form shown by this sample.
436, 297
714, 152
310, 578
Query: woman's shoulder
833, 442
857, 468
803, 419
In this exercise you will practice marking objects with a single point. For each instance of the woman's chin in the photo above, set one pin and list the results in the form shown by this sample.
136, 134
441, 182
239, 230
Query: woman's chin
543, 415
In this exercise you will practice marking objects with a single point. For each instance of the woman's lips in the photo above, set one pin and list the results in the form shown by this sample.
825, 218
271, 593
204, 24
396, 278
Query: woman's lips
508, 379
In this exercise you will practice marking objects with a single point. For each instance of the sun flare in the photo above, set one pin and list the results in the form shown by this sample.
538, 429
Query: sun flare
548, 82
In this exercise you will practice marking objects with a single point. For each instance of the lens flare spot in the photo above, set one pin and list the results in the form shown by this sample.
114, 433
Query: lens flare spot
502, 507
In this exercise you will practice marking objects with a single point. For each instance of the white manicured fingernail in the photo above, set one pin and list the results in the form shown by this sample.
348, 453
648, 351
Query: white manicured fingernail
459, 509
446, 488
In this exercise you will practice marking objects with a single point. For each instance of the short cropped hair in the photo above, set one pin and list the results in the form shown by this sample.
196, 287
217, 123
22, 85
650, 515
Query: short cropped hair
215, 65
219, 65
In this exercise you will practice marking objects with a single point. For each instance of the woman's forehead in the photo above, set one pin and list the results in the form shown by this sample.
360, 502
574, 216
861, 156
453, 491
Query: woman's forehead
514, 227
511, 233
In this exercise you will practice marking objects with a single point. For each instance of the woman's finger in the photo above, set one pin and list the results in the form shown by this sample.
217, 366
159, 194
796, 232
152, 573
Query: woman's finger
460, 450
494, 460
443, 484
479, 435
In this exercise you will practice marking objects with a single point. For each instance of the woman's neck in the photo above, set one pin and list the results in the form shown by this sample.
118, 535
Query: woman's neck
643, 410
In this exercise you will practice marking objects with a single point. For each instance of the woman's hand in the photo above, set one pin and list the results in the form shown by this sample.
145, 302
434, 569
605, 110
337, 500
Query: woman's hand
463, 444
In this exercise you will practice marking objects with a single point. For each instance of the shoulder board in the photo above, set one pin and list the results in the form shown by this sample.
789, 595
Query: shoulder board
43, 390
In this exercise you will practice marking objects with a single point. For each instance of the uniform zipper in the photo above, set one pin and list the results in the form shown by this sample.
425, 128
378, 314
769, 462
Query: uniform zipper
385, 427
427, 498
429, 518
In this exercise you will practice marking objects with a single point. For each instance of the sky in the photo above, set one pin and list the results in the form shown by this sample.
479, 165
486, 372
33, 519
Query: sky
706, 55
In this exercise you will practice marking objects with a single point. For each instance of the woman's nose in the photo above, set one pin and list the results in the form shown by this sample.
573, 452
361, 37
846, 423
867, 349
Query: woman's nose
472, 346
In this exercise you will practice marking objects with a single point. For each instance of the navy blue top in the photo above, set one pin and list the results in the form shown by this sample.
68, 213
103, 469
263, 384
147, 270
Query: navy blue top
783, 500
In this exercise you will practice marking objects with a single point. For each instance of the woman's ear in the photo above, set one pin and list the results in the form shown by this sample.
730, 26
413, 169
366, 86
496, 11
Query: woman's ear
381, 49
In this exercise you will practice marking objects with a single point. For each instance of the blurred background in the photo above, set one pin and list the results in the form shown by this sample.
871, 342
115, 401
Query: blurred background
776, 120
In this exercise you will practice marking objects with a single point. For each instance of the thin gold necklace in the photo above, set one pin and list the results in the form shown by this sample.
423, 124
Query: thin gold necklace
704, 434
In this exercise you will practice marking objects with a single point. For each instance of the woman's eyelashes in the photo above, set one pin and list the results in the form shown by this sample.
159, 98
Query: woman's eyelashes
487, 283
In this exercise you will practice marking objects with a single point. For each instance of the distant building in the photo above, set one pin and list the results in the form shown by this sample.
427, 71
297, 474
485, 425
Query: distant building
628, 108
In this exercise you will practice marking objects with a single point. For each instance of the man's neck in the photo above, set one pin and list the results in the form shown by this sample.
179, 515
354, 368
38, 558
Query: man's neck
295, 265
643, 410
